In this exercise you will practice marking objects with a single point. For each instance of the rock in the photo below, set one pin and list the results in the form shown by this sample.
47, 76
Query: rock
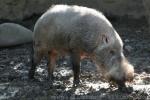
12, 9
146, 4
22, 9
19, 9
126, 40
13, 34
128, 48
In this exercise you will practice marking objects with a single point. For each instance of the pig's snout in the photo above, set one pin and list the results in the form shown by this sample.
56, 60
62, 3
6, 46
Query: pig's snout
121, 74
129, 72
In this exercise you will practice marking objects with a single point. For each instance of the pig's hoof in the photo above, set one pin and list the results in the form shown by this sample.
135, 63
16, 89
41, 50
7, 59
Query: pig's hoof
50, 77
50, 80
33, 80
76, 83
31, 76
49, 84
126, 89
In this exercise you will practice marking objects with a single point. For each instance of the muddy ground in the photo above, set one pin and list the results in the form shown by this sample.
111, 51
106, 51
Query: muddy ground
15, 63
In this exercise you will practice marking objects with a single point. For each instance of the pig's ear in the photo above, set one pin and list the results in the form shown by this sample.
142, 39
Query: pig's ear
105, 40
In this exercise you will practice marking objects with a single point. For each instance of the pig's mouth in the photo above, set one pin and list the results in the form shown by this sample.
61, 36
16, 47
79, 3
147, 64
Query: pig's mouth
120, 74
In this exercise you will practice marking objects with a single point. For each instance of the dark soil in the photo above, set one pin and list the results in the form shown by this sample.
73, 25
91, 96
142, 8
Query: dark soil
15, 63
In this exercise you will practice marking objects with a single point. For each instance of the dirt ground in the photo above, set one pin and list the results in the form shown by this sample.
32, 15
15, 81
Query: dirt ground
15, 63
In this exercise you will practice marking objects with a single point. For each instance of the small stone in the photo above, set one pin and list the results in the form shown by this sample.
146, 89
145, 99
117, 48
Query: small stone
128, 48
65, 63
12, 62
138, 31
126, 40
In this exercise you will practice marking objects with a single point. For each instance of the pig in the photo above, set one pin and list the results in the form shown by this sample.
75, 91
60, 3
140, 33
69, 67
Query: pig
80, 32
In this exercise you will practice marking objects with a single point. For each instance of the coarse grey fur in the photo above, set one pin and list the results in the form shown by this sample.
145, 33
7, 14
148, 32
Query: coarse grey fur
13, 34
84, 29
74, 27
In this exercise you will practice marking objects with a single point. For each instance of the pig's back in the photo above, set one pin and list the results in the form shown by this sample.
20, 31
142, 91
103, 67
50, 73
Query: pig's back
70, 26
68, 16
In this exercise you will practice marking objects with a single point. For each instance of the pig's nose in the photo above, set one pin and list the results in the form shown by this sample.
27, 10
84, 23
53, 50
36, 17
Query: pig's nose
130, 77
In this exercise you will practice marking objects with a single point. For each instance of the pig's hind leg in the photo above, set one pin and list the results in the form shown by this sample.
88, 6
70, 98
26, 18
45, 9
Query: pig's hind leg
51, 64
75, 60
36, 58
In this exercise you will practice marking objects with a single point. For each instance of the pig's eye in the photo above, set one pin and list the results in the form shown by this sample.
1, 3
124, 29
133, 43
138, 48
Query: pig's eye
112, 52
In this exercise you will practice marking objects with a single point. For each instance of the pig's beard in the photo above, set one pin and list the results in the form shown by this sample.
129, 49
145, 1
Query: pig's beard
122, 71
